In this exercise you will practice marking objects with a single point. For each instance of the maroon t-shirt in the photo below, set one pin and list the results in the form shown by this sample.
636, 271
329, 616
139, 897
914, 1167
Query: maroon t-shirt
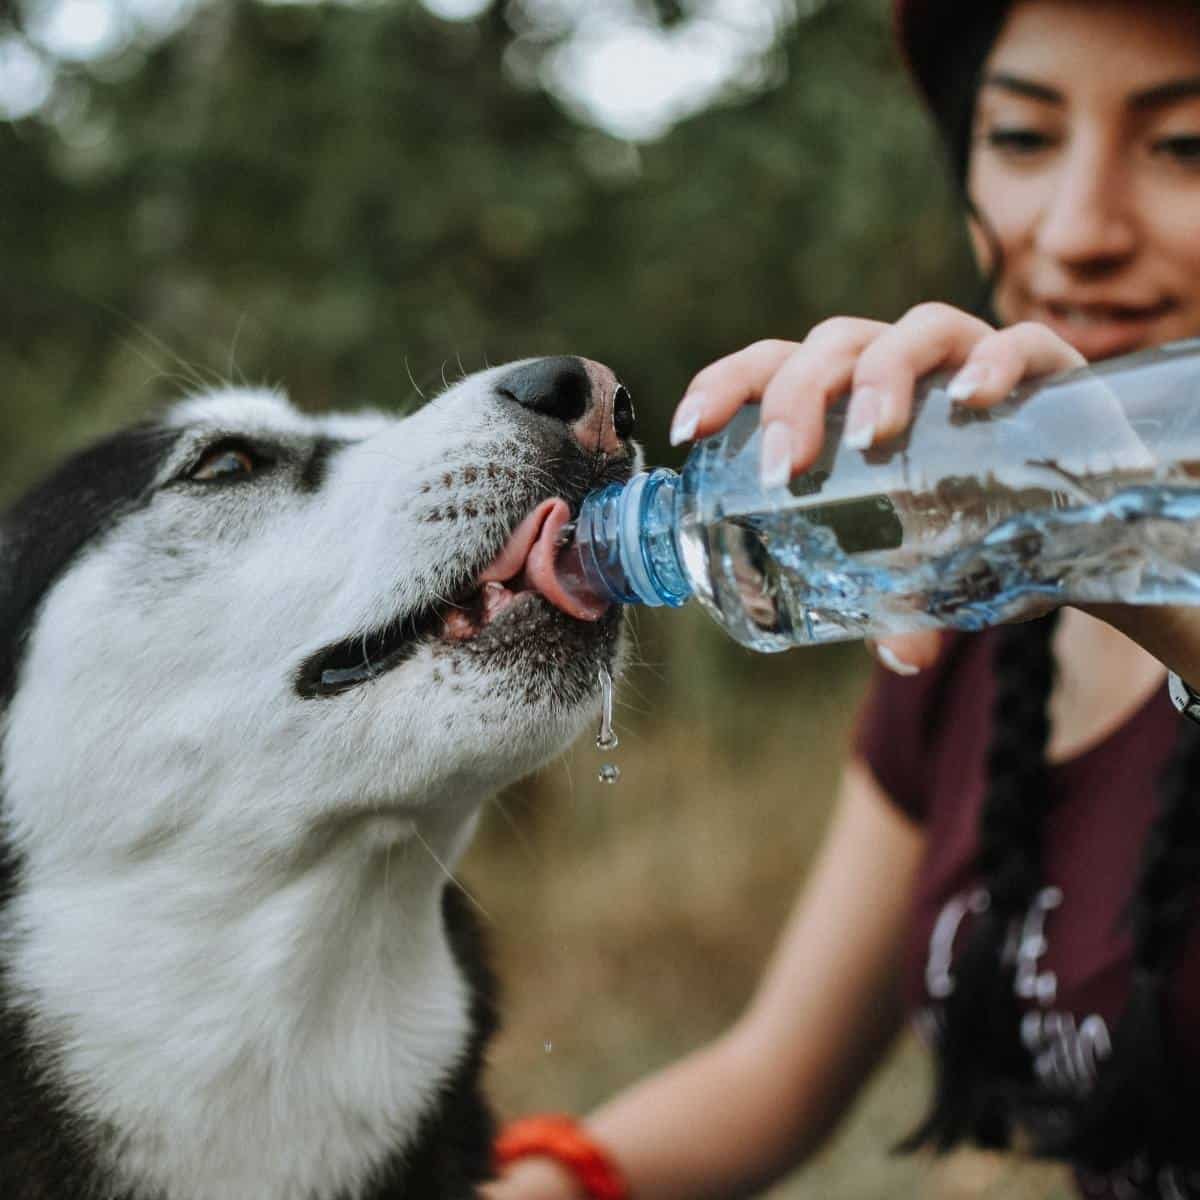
925, 740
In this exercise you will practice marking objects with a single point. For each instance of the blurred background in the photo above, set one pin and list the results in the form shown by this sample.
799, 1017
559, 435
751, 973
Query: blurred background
360, 201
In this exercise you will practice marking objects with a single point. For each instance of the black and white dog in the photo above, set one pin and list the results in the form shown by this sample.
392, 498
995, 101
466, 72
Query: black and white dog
258, 672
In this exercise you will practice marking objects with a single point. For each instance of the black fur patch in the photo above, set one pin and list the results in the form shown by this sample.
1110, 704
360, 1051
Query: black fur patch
47, 528
316, 465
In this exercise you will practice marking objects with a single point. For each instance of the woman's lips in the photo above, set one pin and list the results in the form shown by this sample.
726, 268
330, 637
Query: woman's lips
1104, 330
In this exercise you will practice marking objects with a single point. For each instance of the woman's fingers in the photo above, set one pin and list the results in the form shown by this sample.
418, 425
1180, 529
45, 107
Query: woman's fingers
908, 653
816, 373
885, 376
718, 391
999, 362
877, 364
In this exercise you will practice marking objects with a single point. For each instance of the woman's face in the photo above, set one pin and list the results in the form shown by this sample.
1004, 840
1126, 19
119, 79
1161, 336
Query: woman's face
1085, 163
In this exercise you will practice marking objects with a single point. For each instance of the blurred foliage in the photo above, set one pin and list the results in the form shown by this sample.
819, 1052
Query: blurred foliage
356, 202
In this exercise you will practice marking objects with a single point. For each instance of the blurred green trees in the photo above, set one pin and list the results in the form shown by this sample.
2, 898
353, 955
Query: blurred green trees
356, 201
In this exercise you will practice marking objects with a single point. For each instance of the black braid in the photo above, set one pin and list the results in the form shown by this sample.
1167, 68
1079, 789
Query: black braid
984, 1076
981, 1062
1136, 1109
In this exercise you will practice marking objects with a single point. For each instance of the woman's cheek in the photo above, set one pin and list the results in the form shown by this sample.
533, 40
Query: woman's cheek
1008, 204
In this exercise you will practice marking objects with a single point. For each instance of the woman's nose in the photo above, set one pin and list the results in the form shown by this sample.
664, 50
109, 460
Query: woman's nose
1089, 220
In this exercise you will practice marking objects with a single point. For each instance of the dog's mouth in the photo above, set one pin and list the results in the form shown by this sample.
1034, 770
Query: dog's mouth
523, 569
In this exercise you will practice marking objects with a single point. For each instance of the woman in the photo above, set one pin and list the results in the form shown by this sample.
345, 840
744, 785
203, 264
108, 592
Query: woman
1028, 791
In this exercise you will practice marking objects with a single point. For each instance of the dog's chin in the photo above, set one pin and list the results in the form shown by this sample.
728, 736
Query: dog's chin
538, 653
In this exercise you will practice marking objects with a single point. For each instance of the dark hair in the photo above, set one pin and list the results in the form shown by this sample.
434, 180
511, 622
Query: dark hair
948, 63
984, 1074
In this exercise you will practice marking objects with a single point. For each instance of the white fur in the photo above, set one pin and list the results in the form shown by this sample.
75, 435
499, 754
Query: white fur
228, 923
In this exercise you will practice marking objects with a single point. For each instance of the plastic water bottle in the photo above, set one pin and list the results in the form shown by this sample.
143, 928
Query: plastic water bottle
1082, 487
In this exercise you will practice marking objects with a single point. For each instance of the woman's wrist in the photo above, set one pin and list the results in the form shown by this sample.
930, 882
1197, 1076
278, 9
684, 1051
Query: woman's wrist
1169, 632
561, 1139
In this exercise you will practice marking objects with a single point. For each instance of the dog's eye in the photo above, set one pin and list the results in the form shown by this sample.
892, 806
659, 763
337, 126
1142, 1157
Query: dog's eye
226, 463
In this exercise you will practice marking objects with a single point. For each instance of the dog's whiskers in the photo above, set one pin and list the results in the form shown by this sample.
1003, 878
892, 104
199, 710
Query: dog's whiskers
458, 883
514, 825
234, 374
188, 372
416, 385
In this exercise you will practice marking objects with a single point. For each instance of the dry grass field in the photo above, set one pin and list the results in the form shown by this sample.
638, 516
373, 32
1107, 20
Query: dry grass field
630, 920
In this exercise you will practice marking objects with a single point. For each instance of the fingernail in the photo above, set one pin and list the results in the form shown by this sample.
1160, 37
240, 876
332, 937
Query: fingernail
775, 468
894, 662
687, 418
968, 381
862, 418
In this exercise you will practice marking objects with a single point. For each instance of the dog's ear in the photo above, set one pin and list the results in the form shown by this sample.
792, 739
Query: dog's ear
45, 530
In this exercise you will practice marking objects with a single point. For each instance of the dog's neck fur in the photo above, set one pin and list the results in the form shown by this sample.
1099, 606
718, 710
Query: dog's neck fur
290, 1024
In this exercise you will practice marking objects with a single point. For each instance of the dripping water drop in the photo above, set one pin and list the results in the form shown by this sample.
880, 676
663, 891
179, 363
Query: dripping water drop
606, 739
609, 773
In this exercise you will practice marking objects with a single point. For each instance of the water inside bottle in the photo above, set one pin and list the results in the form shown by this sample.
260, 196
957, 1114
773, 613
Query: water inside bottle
1084, 490
807, 574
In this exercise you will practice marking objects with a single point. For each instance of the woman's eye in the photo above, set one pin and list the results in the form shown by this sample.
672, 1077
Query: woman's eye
1183, 148
226, 464
1016, 140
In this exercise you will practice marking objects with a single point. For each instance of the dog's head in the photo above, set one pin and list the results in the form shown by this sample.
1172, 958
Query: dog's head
241, 624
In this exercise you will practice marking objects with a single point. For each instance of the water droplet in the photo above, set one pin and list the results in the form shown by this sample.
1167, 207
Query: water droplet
547, 1046
609, 773
606, 739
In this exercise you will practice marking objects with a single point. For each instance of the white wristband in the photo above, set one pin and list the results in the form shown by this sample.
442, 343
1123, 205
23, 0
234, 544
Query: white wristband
1183, 697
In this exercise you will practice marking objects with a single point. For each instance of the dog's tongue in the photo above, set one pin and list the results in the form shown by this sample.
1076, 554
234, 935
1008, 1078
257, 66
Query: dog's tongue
534, 546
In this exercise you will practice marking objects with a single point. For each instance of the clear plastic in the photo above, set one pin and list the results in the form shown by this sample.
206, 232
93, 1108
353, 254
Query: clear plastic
1083, 487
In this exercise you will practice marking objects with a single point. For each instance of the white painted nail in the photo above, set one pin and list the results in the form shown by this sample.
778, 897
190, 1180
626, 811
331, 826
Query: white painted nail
775, 468
861, 437
687, 418
894, 662
968, 381
862, 417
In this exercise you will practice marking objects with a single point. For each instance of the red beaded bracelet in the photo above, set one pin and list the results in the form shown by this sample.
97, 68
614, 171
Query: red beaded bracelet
563, 1139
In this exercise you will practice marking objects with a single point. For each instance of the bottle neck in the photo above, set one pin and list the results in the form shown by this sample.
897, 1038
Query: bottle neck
625, 548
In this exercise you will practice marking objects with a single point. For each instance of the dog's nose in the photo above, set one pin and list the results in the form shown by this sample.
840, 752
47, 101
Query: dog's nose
584, 395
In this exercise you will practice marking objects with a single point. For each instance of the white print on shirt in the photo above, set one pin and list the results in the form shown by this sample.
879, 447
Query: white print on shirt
1066, 1053
939, 982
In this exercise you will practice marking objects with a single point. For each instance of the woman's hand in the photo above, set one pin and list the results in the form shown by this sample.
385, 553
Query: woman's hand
878, 366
